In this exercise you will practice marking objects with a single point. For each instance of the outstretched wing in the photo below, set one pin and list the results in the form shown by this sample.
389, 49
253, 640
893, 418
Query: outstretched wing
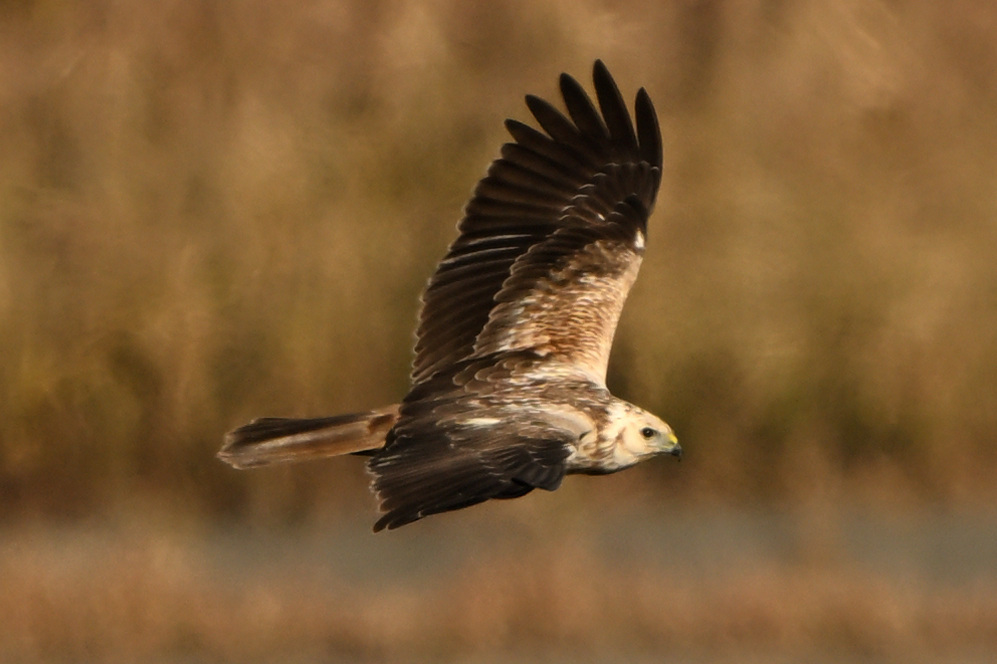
552, 239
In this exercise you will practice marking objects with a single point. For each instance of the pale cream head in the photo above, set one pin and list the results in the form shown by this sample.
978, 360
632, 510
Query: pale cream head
645, 434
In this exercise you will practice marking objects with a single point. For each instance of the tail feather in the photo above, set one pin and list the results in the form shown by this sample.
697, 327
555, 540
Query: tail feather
283, 440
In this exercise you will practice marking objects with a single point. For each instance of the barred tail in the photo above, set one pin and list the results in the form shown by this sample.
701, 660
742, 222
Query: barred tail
282, 440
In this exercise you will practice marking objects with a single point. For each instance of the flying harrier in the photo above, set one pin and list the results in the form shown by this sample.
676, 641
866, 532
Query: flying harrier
509, 379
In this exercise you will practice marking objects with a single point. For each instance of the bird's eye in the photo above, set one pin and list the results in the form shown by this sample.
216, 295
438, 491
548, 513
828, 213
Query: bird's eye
648, 432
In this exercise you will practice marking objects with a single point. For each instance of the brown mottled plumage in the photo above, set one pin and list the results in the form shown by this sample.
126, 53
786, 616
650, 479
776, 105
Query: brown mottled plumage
509, 379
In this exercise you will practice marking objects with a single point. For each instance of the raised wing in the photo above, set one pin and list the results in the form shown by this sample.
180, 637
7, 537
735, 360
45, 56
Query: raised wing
552, 239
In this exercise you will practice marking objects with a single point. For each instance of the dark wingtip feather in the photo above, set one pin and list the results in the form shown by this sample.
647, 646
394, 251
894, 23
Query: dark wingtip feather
614, 109
521, 131
581, 109
552, 120
648, 130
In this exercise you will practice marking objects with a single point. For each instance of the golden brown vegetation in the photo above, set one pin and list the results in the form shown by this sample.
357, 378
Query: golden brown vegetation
214, 211
181, 595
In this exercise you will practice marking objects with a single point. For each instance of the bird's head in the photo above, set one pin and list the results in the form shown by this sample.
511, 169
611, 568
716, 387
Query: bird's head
645, 434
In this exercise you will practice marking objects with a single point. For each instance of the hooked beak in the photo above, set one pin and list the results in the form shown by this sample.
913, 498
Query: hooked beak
676, 449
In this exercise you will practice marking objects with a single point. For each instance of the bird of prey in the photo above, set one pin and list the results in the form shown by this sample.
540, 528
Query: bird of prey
509, 379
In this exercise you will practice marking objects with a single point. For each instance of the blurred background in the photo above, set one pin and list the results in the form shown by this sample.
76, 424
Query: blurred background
213, 211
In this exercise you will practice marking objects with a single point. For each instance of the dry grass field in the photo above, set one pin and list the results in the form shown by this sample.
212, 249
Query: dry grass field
211, 211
